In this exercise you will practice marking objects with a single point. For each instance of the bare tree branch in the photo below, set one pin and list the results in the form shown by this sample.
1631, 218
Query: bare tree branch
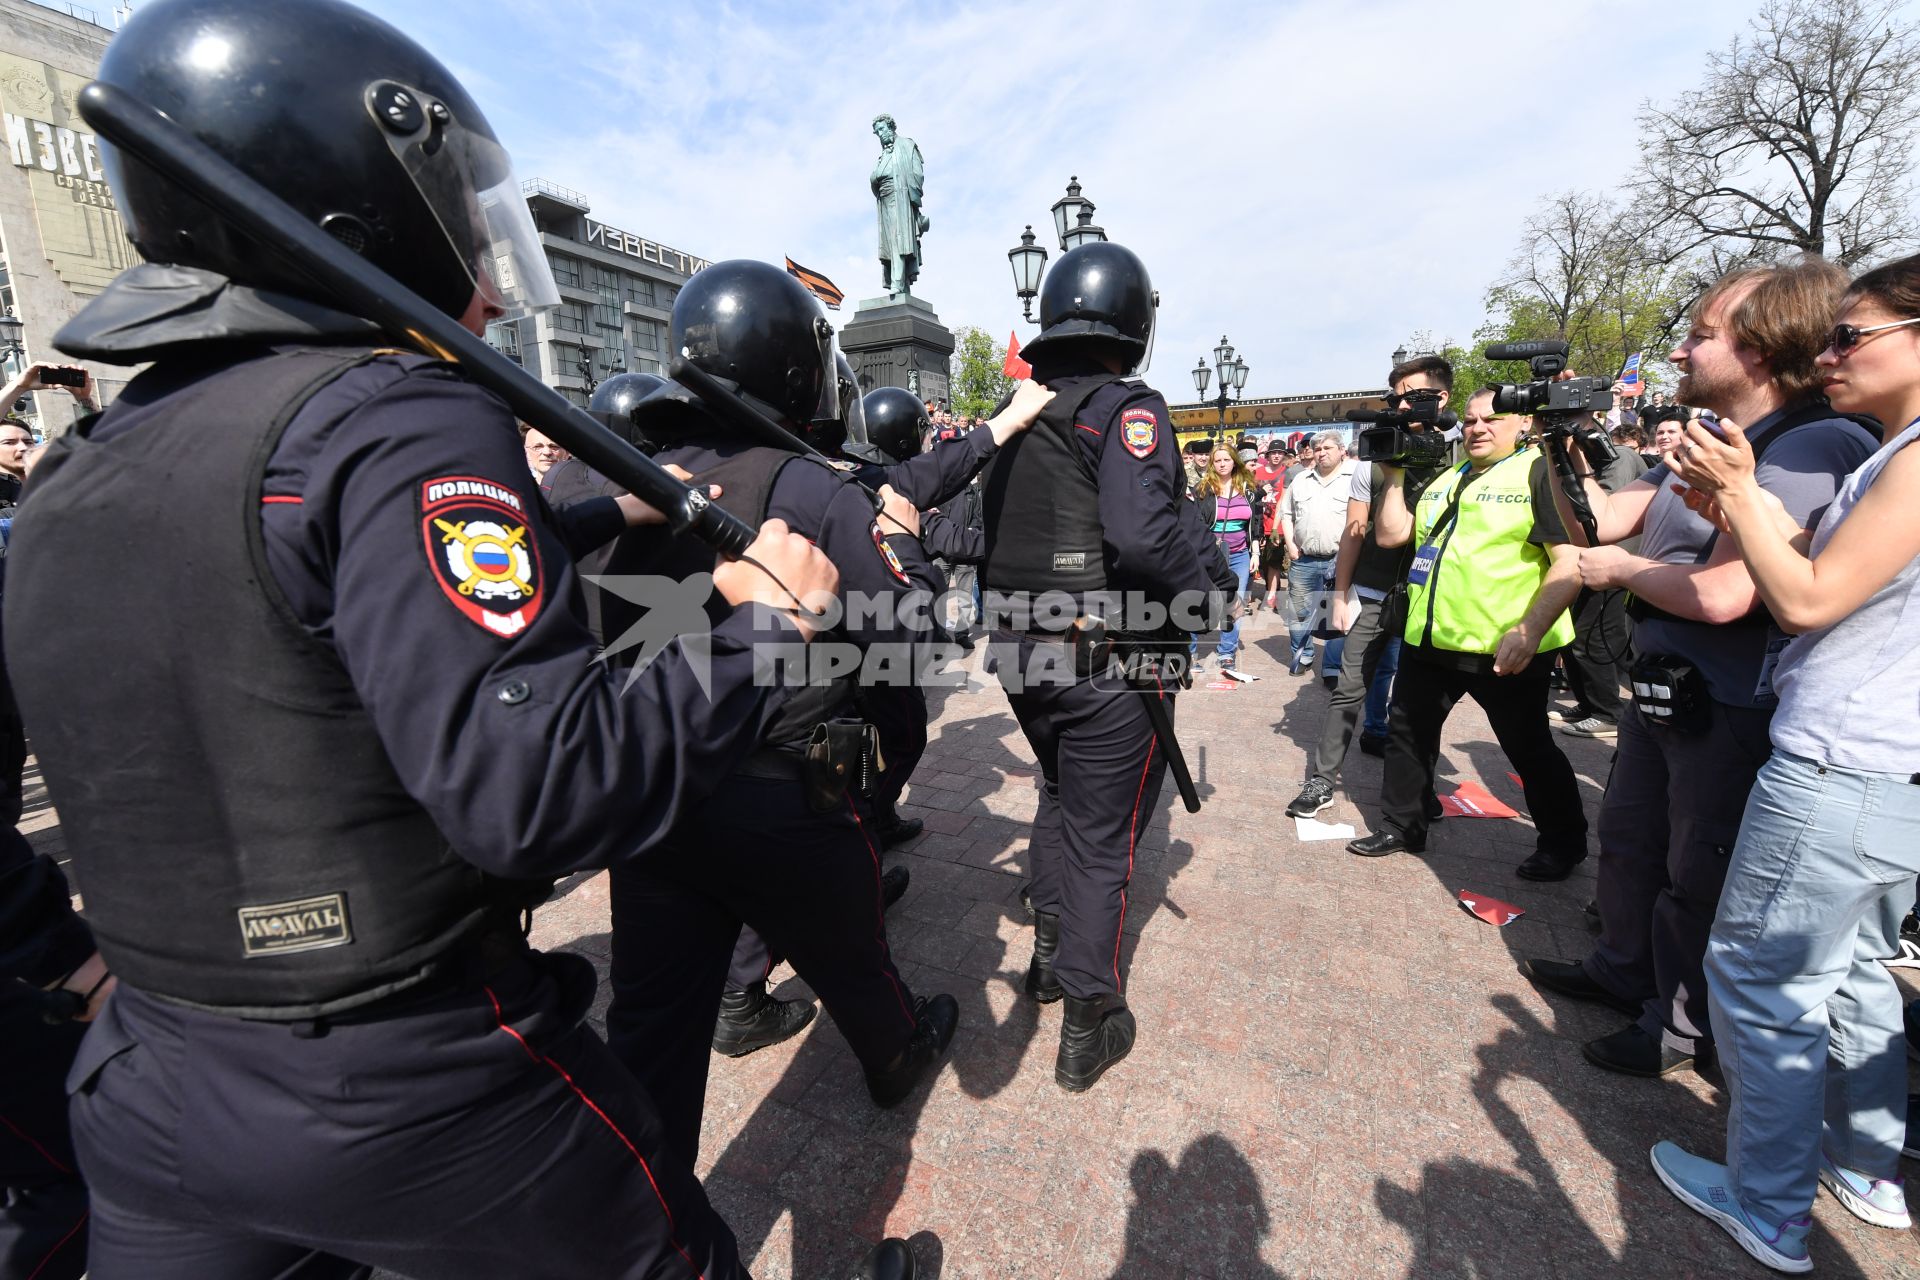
1798, 139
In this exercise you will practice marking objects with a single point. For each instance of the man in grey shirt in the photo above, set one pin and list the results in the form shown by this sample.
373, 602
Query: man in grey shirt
1680, 782
1367, 577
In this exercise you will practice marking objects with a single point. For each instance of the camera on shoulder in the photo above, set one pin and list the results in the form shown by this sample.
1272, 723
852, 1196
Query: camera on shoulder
1412, 436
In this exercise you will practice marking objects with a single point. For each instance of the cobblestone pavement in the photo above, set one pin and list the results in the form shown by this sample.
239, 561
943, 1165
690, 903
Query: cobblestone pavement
1340, 1072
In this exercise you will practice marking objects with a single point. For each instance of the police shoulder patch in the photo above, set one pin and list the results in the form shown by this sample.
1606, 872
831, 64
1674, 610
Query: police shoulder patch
1140, 431
482, 552
891, 556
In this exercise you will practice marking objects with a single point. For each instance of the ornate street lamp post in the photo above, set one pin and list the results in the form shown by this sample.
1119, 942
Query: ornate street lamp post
1073, 226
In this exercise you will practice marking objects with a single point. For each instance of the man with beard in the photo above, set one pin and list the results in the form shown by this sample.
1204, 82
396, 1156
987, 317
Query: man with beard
1686, 762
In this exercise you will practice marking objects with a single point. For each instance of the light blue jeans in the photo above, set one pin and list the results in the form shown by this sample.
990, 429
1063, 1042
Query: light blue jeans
1237, 561
1309, 584
1806, 1017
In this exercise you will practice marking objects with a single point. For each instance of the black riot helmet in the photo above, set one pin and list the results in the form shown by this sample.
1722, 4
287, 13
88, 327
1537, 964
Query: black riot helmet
896, 422
347, 120
756, 328
615, 400
1100, 293
618, 394
848, 422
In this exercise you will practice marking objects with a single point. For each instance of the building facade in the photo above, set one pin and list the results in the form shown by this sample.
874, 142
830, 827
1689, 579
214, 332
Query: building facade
61, 238
616, 297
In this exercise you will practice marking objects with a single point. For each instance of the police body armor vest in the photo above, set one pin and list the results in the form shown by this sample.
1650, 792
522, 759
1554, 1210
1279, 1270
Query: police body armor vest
1042, 498
1484, 572
746, 481
244, 842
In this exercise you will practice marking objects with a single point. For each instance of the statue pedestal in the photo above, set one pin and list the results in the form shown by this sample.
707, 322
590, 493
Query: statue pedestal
898, 343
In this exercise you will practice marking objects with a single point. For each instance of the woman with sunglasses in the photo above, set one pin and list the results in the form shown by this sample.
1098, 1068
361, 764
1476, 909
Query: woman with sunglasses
1807, 1018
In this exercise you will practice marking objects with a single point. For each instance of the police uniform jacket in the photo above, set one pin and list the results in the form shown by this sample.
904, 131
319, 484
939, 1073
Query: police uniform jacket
409, 603
1089, 499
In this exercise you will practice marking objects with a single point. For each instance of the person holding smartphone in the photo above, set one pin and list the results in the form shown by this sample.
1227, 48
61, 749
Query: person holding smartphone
1679, 782
1806, 1014
74, 379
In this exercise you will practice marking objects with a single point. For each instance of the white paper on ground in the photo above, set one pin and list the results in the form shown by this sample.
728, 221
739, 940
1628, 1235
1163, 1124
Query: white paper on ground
1234, 673
1313, 829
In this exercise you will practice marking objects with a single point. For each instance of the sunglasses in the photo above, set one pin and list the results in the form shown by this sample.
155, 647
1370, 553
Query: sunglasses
1845, 337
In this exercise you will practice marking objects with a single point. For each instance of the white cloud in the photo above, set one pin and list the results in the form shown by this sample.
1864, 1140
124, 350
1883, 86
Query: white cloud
1315, 181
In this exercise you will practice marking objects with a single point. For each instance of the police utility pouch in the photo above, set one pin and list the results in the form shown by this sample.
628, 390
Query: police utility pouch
1671, 694
836, 760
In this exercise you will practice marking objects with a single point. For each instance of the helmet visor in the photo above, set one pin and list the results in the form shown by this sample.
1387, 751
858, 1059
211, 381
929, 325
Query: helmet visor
853, 409
466, 179
1153, 329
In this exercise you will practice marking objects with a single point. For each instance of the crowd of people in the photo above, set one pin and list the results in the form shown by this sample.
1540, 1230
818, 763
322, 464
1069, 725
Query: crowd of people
1734, 618
509, 668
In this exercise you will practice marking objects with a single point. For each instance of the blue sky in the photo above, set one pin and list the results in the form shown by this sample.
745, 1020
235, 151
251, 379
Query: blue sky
1291, 173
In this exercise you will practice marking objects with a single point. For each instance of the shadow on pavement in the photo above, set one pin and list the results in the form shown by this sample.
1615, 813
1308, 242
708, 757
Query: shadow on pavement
1204, 1214
815, 1158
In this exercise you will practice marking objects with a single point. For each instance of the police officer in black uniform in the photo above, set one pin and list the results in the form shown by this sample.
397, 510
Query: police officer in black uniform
52, 982
896, 423
780, 845
751, 1018
572, 483
300, 734
1084, 507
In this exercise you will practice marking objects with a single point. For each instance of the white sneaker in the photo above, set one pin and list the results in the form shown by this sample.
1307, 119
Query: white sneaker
1872, 1200
1906, 953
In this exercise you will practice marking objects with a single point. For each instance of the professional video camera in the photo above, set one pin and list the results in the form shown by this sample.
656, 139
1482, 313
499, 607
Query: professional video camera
1412, 436
1562, 410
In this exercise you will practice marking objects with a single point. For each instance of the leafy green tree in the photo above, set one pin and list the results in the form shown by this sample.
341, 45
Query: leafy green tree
1587, 271
976, 381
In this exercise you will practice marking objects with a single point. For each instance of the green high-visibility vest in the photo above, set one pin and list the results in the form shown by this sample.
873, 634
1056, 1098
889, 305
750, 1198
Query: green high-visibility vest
1483, 573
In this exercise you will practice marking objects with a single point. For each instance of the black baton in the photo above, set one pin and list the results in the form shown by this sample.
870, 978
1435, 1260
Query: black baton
367, 291
1176, 762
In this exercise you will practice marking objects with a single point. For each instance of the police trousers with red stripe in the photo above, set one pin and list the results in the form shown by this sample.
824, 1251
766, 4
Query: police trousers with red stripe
1101, 772
485, 1132
753, 853
43, 1202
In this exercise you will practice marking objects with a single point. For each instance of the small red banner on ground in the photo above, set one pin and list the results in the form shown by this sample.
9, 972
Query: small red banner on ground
1492, 910
1223, 684
1471, 800
1015, 367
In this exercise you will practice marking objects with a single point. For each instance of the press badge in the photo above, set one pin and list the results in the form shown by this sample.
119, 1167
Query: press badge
1422, 567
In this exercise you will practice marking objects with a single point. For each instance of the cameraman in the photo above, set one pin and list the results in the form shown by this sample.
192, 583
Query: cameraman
1680, 780
1373, 615
1487, 594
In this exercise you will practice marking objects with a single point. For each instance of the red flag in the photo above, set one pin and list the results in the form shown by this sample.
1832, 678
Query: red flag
1015, 367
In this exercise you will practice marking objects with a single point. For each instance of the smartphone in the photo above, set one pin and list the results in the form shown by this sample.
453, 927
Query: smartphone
1711, 421
63, 377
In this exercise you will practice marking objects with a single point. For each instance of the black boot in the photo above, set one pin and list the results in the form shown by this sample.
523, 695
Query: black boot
894, 829
888, 1260
752, 1019
935, 1018
893, 885
1041, 984
1096, 1034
